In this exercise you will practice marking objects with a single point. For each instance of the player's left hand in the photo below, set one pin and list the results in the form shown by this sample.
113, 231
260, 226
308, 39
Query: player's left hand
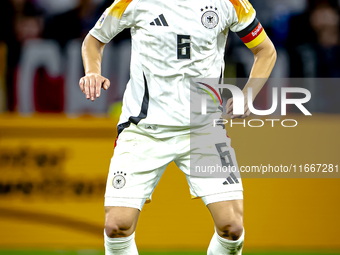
229, 108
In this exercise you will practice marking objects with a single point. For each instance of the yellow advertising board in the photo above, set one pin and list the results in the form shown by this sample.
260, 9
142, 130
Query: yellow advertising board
53, 172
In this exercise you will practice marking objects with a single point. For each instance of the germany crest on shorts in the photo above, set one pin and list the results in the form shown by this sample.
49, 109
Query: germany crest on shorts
118, 180
210, 17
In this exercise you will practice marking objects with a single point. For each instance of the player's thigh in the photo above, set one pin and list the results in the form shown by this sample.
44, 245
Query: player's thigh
210, 165
120, 221
137, 165
228, 218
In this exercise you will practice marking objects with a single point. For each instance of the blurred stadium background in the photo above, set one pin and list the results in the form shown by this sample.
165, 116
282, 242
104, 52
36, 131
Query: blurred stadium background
55, 146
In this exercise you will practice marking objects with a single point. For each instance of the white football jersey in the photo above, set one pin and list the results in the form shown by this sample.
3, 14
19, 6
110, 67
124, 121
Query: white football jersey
174, 41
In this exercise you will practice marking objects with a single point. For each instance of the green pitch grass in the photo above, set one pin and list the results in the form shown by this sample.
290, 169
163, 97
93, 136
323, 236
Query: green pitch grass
93, 252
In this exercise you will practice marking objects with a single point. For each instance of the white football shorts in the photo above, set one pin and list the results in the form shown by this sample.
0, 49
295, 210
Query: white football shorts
205, 157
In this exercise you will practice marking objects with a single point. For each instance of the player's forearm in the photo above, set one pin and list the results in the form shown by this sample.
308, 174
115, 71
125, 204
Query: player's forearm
92, 52
265, 58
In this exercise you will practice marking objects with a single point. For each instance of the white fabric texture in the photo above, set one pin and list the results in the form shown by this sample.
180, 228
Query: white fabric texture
120, 246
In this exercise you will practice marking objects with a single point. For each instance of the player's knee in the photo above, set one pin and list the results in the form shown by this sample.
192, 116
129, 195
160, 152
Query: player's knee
231, 230
120, 221
116, 229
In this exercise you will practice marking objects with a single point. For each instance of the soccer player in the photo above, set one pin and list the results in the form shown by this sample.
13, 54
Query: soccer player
172, 43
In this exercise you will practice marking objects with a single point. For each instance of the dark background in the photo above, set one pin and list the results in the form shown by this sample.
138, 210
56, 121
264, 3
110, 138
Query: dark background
305, 33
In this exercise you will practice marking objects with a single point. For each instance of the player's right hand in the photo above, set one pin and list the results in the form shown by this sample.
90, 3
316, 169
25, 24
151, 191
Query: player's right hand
91, 85
230, 108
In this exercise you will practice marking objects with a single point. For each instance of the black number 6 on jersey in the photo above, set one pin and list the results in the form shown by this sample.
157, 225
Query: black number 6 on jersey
183, 47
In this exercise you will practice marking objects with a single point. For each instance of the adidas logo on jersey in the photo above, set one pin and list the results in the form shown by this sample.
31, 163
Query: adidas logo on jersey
152, 127
160, 21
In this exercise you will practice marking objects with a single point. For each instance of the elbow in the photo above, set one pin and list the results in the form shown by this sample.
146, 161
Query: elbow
266, 51
270, 55
273, 55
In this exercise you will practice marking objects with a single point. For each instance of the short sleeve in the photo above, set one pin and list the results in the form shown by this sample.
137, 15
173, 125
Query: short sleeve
245, 14
245, 23
116, 18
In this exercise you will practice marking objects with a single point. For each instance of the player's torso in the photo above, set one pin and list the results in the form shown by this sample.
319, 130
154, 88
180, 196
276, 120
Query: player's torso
179, 37
173, 41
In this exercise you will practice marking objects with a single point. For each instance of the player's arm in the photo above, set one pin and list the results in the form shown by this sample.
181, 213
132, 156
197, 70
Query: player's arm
249, 29
265, 58
118, 16
92, 82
